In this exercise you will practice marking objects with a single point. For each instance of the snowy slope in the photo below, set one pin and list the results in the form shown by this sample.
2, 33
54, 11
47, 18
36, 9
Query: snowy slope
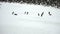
31, 23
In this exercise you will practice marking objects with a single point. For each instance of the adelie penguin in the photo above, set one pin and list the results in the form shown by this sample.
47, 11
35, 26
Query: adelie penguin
49, 13
14, 13
26, 13
42, 14
38, 14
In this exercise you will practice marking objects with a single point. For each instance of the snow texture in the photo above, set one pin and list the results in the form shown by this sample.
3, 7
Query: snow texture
29, 23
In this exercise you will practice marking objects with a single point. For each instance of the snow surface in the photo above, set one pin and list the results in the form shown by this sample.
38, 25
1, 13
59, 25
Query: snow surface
31, 23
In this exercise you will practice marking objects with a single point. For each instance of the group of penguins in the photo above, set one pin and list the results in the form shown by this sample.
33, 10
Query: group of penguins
13, 13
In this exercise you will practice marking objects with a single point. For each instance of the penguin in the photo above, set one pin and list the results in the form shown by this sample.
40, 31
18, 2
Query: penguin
26, 13
42, 14
14, 13
49, 13
38, 14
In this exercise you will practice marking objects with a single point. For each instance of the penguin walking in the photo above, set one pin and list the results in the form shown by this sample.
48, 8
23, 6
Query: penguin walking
42, 14
14, 13
38, 14
26, 13
49, 13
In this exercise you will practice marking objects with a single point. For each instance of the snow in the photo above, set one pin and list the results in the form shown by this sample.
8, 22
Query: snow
31, 23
